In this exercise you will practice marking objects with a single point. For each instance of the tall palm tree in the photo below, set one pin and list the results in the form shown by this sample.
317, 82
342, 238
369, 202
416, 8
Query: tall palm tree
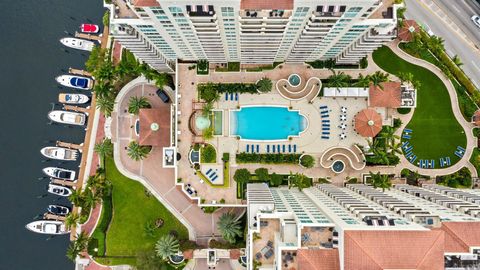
78, 245
380, 181
298, 180
436, 44
90, 199
71, 220
405, 77
207, 109
388, 134
136, 103
105, 72
167, 246
457, 60
381, 155
161, 79
136, 151
229, 227
72, 251
362, 81
339, 79
378, 78
76, 198
103, 89
104, 148
105, 105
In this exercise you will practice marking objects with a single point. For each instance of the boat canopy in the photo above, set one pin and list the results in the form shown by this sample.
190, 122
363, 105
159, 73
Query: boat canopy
80, 82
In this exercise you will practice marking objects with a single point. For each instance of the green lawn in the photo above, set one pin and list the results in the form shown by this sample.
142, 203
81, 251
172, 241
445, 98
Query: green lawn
132, 209
436, 132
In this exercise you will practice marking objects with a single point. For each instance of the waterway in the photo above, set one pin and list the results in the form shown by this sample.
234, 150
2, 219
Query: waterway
30, 58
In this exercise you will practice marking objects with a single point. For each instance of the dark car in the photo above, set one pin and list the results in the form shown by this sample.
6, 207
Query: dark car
163, 96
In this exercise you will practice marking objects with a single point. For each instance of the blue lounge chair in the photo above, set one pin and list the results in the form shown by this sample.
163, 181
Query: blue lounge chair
236, 96
231, 96
283, 148
408, 149
405, 143
442, 161
325, 137
323, 107
248, 148
325, 133
409, 154
448, 160
289, 148
325, 121
209, 170
273, 148
214, 178
226, 96
458, 154
413, 159
405, 136
433, 163
211, 174
278, 148
258, 148
461, 148
325, 125
268, 148
408, 130
294, 148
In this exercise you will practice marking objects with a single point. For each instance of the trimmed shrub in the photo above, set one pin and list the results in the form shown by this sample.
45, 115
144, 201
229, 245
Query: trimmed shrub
268, 158
307, 161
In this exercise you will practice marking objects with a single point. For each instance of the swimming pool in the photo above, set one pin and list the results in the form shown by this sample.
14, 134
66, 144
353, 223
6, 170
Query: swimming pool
266, 123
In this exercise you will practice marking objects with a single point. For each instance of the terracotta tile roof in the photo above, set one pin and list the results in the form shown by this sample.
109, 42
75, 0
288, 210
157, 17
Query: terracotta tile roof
409, 27
476, 118
145, 3
234, 254
460, 236
149, 117
188, 254
389, 96
378, 250
318, 259
368, 123
266, 4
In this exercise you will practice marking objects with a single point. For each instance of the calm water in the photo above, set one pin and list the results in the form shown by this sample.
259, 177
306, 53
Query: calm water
31, 57
266, 123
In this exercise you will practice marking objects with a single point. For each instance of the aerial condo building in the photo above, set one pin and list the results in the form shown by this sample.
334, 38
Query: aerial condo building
252, 31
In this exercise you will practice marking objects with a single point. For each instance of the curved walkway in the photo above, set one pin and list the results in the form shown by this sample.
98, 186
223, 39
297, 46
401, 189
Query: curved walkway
309, 90
354, 156
467, 127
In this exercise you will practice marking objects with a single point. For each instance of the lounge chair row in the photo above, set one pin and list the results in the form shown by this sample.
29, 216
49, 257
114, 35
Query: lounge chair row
445, 161
426, 164
460, 152
212, 175
233, 96
407, 134
324, 111
282, 149
253, 148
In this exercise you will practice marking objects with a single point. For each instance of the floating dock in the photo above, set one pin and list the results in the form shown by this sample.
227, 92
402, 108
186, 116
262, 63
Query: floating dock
88, 36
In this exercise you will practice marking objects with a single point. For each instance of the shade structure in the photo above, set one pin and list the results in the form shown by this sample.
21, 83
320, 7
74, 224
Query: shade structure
368, 123
408, 29
154, 127
476, 118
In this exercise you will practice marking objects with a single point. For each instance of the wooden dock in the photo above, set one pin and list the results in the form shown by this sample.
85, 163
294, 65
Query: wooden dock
76, 109
53, 217
64, 182
88, 36
70, 145
80, 72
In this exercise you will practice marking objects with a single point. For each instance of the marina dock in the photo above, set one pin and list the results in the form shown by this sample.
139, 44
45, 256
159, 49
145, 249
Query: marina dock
53, 217
88, 36
80, 72
76, 109
63, 182
70, 145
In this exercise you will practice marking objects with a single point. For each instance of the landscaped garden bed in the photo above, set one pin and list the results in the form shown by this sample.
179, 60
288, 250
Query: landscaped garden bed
208, 154
268, 158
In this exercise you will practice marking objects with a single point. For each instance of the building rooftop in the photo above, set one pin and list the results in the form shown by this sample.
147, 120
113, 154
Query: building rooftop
389, 96
145, 3
266, 4
153, 123
374, 250
318, 259
460, 236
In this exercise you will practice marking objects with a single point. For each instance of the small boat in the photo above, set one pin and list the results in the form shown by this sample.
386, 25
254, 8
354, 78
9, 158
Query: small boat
59, 190
75, 81
67, 117
60, 153
59, 173
70, 98
48, 227
58, 210
77, 43
89, 28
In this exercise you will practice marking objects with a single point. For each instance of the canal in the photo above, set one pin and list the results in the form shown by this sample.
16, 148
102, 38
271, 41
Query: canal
30, 58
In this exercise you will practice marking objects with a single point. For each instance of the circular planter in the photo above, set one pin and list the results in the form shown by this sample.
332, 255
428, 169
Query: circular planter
177, 259
338, 166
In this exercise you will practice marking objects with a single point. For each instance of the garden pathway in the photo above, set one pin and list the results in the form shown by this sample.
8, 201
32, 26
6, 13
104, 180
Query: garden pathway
467, 127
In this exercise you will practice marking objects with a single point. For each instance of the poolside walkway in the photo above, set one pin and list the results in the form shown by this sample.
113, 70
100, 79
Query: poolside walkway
467, 127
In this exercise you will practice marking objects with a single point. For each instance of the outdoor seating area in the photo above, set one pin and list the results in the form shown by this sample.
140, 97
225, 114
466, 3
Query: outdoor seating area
263, 247
289, 260
271, 148
445, 161
267, 251
343, 124
324, 113
460, 152
408, 151
318, 237
190, 190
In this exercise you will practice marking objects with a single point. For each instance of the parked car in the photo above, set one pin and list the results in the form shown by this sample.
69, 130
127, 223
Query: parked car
476, 20
163, 96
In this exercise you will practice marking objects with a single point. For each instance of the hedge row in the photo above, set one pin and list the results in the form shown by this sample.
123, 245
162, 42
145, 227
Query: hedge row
268, 158
230, 87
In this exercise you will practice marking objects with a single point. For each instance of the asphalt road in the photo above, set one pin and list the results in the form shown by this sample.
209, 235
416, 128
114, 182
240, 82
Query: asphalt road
455, 27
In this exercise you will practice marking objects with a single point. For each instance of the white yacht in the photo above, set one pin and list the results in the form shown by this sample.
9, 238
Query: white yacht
78, 82
67, 117
53, 227
77, 43
59, 190
70, 98
59, 173
60, 153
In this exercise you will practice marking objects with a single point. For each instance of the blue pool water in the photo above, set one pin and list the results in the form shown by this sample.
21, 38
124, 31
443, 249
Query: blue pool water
294, 79
266, 123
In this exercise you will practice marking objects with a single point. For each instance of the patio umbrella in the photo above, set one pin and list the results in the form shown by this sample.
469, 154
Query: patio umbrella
368, 123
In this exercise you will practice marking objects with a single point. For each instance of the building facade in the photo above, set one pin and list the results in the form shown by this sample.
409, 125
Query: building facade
250, 31
359, 227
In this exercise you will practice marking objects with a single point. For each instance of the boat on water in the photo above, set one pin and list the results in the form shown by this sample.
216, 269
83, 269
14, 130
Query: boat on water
53, 227
70, 98
59, 190
78, 43
58, 210
75, 81
59, 153
67, 117
89, 28
59, 173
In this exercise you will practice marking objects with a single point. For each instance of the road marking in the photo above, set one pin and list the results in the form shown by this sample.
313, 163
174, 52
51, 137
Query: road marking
475, 65
456, 9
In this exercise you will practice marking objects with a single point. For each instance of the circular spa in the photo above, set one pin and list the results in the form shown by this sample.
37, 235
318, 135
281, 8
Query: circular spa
294, 80
202, 123
338, 166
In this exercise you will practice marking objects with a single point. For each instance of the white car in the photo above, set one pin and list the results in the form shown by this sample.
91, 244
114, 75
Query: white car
476, 20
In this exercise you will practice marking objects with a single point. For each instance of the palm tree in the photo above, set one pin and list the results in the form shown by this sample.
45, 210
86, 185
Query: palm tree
77, 246
72, 251
381, 155
378, 78
339, 79
71, 220
388, 134
103, 89
298, 180
90, 199
380, 181
105, 105
405, 77
229, 227
396, 147
207, 109
136, 151
105, 72
362, 81
161, 79
457, 60
167, 246
104, 148
76, 198
436, 44
147, 72
136, 103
